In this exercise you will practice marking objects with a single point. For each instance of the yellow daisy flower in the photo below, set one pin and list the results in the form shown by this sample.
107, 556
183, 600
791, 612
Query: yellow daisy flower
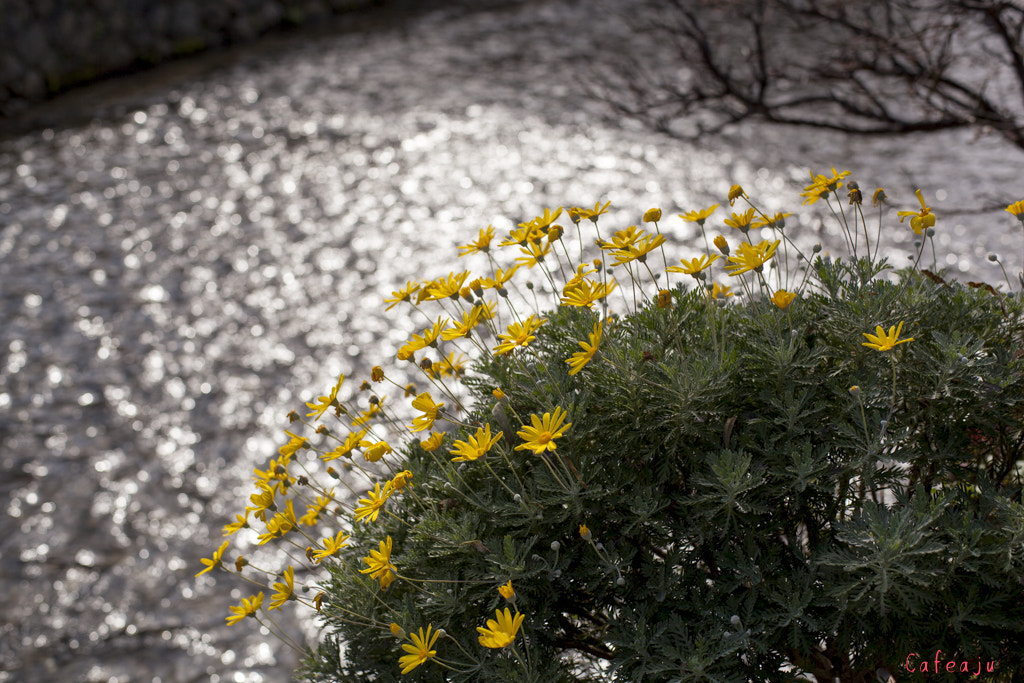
475, 446
426, 404
482, 244
331, 546
214, 561
433, 442
783, 299
741, 221
885, 341
321, 405
1017, 209
248, 608
581, 358
404, 294
379, 565
540, 437
420, 649
919, 220
694, 265
369, 508
698, 217
519, 334
501, 631
284, 589
751, 257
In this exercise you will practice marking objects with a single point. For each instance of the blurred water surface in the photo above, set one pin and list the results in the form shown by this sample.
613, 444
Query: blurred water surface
213, 246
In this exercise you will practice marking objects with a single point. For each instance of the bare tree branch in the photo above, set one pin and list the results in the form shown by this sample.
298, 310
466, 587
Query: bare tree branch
861, 66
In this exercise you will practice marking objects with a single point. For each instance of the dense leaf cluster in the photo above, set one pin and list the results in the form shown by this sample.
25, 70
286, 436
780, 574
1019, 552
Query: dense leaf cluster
752, 517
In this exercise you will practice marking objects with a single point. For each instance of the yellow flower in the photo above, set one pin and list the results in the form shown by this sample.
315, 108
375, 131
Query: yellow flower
639, 250
519, 334
293, 445
500, 279
652, 215
331, 546
751, 257
404, 294
419, 651
425, 403
776, 221
1017, 209
821, 186
919, 220
534, 253
443, 288
735, 192
507, 591
263, 500
878, 197
377, 373
370, 507
370, 413
581, 358
248, 608
722, 244
585, 532
397, 631
475, 446
698, 217
540, 437
433, 442
451, 365
664, 300
284, 589
885, 341
501, 632
592, 214
377, 451
498, 393
280, 524
325, 402
216, 560
482, 244
783, 299
401, 480
241, 522
583, 292
344, 450
379, 565
694, 265
470, 319
544, 221
720, 292
741, 221
313, 511
625, 238
523, 235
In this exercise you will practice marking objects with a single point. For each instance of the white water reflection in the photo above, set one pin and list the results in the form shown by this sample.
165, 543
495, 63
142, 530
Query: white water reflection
178, 276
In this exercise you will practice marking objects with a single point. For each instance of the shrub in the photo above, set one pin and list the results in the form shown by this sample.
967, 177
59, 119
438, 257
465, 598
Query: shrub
656, 480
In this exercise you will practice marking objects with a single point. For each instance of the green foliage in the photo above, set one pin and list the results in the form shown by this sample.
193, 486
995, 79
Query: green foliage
751, 517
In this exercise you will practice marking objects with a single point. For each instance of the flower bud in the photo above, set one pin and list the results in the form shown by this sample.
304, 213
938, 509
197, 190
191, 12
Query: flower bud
652, 216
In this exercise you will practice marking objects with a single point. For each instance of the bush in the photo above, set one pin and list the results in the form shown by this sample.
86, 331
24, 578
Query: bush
702, 487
